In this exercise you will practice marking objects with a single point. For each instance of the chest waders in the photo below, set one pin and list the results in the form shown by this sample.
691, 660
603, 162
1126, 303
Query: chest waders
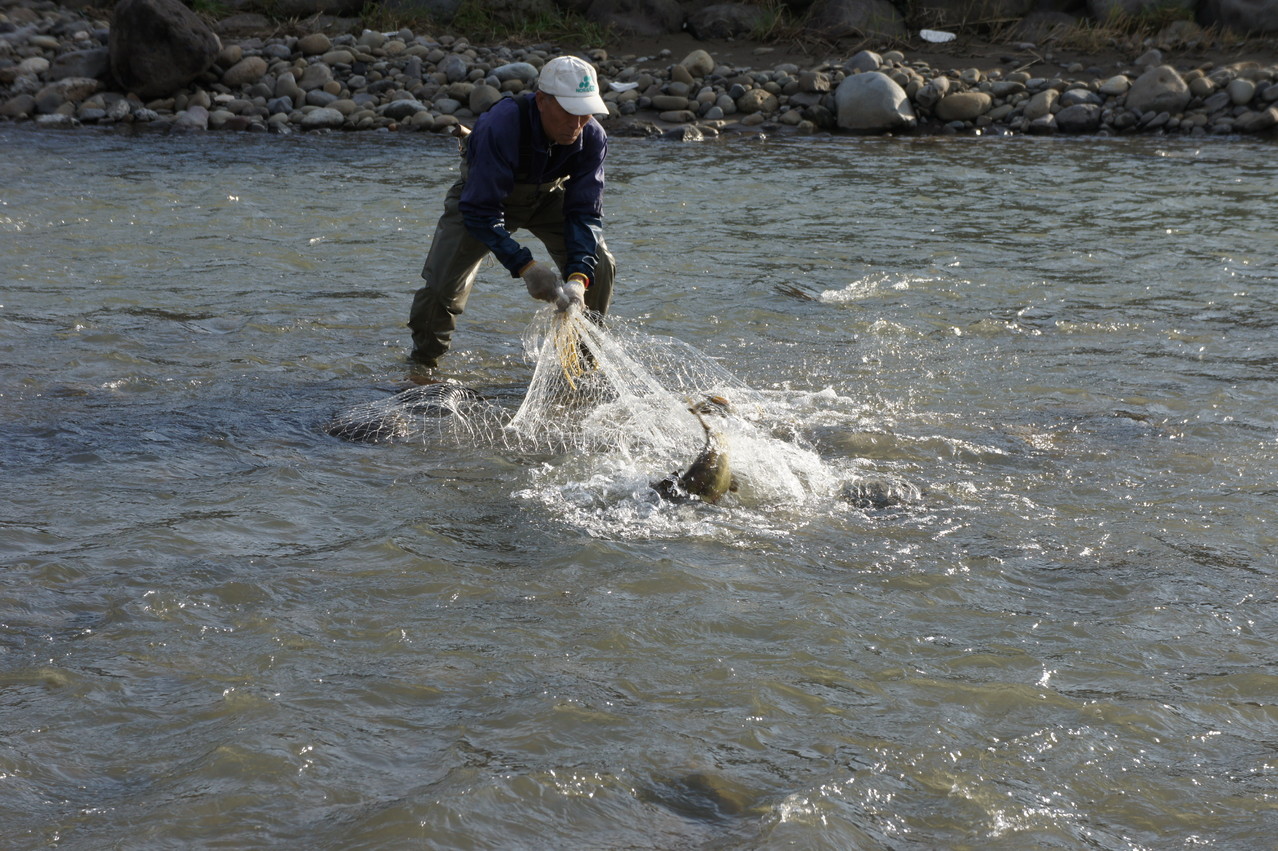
455, 255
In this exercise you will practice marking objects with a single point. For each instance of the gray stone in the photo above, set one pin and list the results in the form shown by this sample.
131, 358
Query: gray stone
482, 98
757, 100
455, 67
1241, 91
963, 106
71, 90
668, 102
872, 103
1115, 85
319, 97
324, 118
1040, 105
192, 118
95, 62
1073, 97
315, 77
698, 63
286, 86
1256, 122
19, 106
522, 71
1079, 118
248, 70
314, 44
866, 60
1159, 89
401, 109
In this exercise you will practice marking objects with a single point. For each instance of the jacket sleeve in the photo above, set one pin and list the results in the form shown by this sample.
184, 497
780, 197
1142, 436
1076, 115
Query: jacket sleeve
583, 204
493, 153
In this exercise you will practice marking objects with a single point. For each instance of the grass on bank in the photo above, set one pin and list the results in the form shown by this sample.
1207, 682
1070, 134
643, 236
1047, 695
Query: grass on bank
531, 22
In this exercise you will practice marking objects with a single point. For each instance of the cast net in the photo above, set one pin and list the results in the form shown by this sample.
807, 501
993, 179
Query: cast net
604, 389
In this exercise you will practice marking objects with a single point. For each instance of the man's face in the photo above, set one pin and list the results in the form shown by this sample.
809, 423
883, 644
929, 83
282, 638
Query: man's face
561, 126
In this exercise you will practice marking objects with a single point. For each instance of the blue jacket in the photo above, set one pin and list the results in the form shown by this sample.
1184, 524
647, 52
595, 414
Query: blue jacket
492, 155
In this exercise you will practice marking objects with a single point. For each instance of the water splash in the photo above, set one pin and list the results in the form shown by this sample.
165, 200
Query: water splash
608, 408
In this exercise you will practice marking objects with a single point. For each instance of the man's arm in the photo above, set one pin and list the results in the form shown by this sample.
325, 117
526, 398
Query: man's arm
493, 154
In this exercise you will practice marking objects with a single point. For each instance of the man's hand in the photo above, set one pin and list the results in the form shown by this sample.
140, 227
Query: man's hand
573, 292
543, 283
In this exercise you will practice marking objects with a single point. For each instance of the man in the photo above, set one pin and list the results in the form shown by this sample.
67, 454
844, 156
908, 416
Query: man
534, 162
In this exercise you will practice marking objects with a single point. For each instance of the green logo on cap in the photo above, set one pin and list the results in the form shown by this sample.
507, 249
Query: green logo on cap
586, 86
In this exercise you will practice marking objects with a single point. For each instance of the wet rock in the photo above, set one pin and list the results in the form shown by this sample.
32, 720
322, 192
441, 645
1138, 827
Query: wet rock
687, 133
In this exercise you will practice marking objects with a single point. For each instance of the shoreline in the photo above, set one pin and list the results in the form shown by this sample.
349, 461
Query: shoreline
52, 65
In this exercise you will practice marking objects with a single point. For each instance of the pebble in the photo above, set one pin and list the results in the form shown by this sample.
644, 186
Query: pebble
419, 83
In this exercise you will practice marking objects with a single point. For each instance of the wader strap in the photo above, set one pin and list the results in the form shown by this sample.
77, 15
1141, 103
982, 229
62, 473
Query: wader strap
523, 174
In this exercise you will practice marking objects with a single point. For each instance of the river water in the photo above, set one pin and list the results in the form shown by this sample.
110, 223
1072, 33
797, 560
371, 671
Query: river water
222, 627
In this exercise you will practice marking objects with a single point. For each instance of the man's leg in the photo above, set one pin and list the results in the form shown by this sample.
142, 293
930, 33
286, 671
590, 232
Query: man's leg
449, 273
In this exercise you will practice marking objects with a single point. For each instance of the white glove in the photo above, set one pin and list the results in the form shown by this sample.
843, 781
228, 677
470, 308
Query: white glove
572, 292
543, 283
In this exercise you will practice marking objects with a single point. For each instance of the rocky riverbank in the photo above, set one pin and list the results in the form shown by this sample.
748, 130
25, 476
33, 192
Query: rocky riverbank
55, 71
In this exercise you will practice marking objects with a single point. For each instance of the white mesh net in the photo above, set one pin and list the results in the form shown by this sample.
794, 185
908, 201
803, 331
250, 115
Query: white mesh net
614, 403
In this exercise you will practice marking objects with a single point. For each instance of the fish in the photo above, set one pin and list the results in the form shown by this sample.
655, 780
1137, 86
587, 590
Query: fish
709, 476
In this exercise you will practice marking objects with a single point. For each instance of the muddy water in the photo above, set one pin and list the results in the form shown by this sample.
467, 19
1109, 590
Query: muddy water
221, 626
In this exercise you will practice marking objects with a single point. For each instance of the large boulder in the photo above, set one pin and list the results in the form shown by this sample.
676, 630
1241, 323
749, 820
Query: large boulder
956, 13
872, 103
92, 62
1104, 10
638, 17
158, 46
1241, 16
837, 19
1159, 89
726, 20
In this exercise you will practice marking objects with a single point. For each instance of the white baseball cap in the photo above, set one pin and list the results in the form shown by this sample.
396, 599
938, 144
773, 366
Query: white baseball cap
573, 83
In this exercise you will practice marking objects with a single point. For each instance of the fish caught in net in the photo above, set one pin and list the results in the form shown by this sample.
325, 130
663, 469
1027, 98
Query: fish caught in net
606, 389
